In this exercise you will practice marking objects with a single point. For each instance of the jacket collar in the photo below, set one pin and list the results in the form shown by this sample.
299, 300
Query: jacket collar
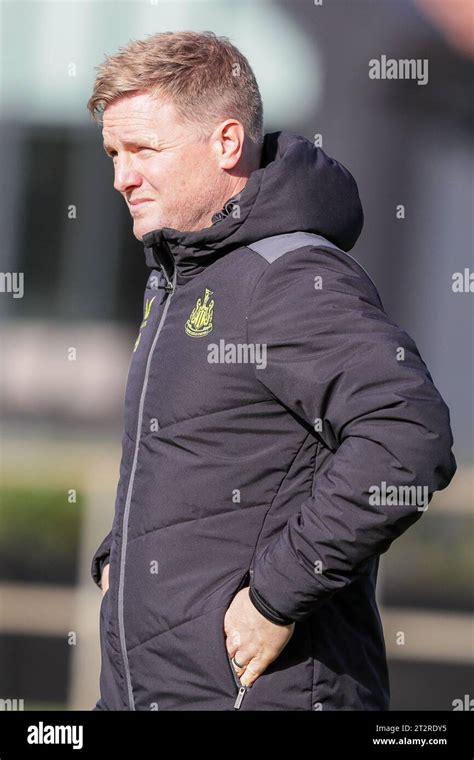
297, 188
191, 252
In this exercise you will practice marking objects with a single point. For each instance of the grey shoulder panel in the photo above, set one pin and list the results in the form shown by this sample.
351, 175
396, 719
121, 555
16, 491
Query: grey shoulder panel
271, 248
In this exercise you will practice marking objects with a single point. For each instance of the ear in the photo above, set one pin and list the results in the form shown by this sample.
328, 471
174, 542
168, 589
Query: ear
229, 143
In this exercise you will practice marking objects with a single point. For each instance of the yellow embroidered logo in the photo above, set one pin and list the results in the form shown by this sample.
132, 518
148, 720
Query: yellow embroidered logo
200, 320
146, 314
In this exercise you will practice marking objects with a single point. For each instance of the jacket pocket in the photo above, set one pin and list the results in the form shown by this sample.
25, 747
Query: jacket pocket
240, 689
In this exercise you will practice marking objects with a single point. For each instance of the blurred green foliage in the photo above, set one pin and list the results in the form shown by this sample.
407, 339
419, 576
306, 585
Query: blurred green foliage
432, 563
42, 518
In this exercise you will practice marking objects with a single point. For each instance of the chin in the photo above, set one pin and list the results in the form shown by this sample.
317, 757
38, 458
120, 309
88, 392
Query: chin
141, 228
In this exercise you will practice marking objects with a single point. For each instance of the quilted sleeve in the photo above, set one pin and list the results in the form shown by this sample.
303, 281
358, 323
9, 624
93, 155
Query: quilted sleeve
335, 359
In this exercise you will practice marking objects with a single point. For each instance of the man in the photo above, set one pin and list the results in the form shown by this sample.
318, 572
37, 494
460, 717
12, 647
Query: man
271, 405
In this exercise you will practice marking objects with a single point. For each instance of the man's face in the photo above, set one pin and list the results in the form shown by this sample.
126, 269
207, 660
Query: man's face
160, 159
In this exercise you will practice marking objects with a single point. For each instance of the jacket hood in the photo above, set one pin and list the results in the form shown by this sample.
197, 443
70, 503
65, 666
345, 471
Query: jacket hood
298, 188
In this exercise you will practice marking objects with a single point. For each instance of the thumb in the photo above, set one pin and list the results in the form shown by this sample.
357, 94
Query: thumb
253, 670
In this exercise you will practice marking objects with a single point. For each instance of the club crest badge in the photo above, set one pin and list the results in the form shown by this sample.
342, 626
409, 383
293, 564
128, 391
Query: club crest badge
199, 322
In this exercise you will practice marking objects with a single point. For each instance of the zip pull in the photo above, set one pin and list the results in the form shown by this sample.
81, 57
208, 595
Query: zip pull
168, 287
240, 696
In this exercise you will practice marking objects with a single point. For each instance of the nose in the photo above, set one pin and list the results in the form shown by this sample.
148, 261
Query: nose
125, 176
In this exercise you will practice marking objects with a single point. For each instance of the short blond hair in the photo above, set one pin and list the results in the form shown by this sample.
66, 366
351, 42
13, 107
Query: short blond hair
205, 77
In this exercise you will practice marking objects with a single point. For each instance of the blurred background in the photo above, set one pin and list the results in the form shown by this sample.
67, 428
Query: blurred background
66, 343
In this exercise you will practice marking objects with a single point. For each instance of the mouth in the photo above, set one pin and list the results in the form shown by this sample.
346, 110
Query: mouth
135, 205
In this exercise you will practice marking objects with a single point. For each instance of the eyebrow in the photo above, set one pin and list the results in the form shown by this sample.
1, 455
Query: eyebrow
126, 143
109, 148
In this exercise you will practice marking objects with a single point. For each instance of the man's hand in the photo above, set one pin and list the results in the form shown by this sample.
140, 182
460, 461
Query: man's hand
105, 578
253, 640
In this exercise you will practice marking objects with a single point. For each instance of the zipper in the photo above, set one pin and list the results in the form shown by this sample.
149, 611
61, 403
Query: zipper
240, 697
241, 690
170, 288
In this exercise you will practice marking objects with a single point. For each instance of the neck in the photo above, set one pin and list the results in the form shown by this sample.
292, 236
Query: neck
237, 181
